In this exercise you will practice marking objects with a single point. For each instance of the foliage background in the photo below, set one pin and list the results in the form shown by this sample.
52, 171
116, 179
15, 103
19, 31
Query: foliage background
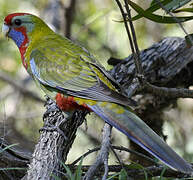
94, 26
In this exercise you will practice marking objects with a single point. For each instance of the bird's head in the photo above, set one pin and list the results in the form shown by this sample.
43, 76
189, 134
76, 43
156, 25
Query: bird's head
20, 27
23, 28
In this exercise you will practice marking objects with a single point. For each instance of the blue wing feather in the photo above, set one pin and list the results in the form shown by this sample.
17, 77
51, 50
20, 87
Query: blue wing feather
136, 130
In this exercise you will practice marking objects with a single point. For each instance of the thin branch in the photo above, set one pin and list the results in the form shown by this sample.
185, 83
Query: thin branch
140, 69
174, 17
102, 157
120, 148
69, 15
169, 92
117, 156
84, 155
134, 152
136, 60
151, 171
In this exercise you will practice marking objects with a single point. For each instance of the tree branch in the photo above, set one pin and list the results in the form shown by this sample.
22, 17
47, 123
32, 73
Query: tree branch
53, 146
166, 63
69, 15
102, 157
131, 38
169, 92
151, 171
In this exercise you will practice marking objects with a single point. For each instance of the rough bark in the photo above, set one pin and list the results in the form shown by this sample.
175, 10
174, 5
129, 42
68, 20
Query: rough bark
56, 139
167, 63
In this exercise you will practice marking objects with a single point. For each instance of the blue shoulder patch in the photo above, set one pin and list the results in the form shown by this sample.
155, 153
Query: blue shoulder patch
36, 74
34, 69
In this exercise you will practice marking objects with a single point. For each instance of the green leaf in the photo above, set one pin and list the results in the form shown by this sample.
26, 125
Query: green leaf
184, 10
157, 18
175, 4
55, 177
69, 174
78, 175
154, 6
134, 165
13, 168
112, 176
162, 173
123, 175
8, 147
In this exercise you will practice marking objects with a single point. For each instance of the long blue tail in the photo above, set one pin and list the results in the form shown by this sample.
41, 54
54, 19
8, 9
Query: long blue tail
136, 130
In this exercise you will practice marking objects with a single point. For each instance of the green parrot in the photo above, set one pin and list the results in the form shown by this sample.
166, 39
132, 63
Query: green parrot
74, 79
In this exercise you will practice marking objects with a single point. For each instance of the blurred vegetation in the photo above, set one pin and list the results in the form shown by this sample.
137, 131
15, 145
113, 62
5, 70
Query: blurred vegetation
96, 28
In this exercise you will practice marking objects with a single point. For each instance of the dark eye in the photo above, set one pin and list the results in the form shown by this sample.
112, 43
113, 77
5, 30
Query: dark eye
17, 22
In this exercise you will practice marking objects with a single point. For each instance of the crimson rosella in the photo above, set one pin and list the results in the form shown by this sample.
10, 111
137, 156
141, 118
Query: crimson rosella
72, 77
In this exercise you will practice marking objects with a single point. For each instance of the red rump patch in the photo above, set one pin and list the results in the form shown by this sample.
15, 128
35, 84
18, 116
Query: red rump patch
69, 104
10, 16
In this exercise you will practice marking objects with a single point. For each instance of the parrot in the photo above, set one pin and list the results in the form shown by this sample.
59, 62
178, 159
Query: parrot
75, 80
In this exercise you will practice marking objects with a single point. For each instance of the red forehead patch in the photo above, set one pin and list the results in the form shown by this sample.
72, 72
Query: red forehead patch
8, 18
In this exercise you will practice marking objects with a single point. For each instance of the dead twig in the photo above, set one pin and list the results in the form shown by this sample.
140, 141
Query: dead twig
169, 92
132, 38
102, 157
151, 171
69, 15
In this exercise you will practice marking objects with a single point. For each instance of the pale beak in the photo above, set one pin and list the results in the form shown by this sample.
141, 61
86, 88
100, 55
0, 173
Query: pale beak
5, 29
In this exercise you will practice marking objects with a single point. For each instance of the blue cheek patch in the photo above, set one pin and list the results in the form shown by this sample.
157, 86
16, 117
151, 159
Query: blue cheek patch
17, 36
